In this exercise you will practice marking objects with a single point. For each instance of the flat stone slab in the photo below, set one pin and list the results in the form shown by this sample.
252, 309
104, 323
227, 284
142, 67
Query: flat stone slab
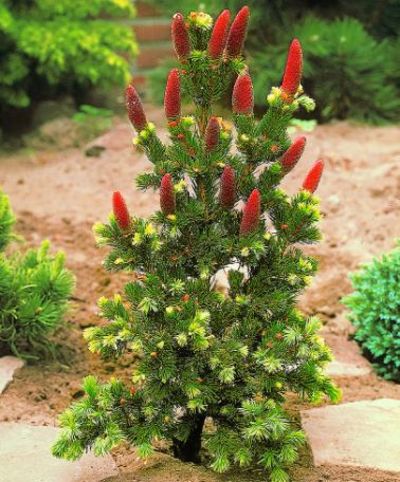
363, 434
343, 369
25, 454
8, 366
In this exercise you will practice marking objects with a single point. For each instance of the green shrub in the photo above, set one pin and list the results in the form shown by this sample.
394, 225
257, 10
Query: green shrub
49, 47
7, 221
375, 312
346, 70
34, 289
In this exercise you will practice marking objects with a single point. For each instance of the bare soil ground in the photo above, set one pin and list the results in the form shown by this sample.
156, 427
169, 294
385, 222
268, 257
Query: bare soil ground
59, 194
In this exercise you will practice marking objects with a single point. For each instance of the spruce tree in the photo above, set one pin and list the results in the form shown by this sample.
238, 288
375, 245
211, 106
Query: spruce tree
210, 315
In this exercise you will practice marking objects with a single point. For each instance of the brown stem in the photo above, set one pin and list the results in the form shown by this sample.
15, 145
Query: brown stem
189, 450
202, 119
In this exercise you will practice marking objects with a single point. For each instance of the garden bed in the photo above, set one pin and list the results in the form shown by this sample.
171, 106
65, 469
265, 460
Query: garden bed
60, 194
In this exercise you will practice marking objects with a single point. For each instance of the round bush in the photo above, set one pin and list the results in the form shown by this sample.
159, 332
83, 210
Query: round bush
375, 312
35, 288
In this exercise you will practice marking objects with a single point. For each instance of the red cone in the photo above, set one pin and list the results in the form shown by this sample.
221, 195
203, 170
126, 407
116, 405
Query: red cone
212, 134
237, 32
167, 195
219, 35
313, 177
293, 154
227, 194
251, 213
242, 96
120, 210
135, 109
172, 97
180, 36
293, 70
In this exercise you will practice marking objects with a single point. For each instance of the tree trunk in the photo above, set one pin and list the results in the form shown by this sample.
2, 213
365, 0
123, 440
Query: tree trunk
189, 451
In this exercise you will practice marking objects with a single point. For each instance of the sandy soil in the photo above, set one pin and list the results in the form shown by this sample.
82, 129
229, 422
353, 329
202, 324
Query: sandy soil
58, 195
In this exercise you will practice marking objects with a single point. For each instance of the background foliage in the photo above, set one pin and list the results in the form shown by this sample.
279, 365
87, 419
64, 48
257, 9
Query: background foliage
350, 52
269, 18
346, 69
34, 290
49, 48
375, 312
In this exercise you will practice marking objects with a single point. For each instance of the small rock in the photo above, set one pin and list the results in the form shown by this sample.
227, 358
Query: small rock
105, 281
78, 394
8, 366
94, 151
334, 203
40, 396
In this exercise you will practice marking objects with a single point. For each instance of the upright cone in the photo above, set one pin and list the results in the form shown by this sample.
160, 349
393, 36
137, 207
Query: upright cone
212, 134
167, 195
172, 97
219, 35
313, 177
293, 70
135, 109
291, 157
251, 213
243, 96
227, 193
180, 36
120, 210
237, 33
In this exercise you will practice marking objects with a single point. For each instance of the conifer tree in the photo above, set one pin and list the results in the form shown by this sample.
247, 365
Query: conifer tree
226, 356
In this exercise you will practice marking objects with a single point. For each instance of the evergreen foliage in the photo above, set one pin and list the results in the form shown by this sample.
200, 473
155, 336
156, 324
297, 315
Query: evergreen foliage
375, 312
217, 270
34, 290
50, 47
348, 72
